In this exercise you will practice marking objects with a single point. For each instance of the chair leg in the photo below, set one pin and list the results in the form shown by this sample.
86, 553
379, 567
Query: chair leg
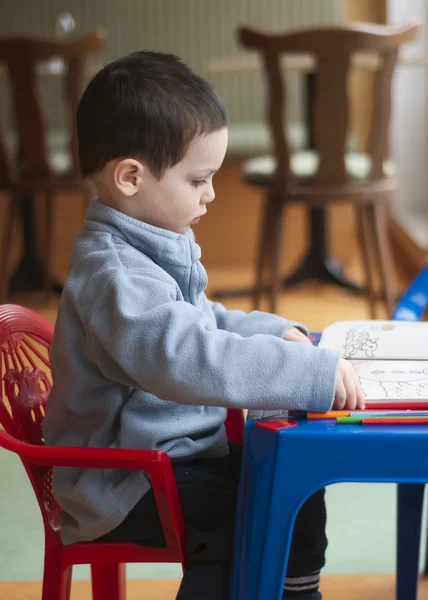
363, 228
7, 236
426, 555
409, 518
276, 254
379, 216
48, 245
264, 252
56, 581
109, 582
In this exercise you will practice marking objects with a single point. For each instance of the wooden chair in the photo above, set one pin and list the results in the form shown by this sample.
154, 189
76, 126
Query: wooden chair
328, 173
35, 170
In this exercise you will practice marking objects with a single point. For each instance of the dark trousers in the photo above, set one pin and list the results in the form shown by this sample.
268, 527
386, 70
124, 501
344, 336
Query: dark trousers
208, 491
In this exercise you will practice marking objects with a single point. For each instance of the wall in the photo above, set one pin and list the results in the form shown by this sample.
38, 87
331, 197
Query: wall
409, 129
197, 30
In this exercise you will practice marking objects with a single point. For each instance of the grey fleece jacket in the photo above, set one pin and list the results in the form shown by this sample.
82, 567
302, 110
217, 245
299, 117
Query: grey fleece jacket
142, 359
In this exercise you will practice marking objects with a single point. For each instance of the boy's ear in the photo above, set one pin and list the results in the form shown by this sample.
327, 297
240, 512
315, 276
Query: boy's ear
127, 176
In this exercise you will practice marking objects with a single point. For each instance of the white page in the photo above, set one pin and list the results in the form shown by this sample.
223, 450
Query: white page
394, 340
393, 380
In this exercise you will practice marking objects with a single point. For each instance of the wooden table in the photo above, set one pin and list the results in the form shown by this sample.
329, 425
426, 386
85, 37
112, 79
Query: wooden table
317, 264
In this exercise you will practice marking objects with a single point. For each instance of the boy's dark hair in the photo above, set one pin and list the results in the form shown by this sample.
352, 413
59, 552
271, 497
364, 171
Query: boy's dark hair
149, 106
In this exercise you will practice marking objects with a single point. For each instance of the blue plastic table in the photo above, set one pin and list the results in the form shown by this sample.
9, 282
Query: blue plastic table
283, 465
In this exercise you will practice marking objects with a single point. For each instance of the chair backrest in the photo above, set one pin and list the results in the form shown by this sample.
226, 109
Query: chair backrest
22, 56
414, 302
332, 47
25, 339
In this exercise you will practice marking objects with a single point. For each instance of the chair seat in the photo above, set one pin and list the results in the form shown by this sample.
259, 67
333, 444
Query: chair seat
60, 161
59, 156
304, 166
252, 139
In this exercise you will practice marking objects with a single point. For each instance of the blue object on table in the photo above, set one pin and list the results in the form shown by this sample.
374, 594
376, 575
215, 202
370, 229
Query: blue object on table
315, 338
410, 498
415, 300
282, 467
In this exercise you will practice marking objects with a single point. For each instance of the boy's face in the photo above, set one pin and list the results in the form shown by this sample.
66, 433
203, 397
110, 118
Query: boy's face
180, 198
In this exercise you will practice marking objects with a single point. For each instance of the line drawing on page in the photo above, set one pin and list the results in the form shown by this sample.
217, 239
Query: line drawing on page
364, 338
392, 379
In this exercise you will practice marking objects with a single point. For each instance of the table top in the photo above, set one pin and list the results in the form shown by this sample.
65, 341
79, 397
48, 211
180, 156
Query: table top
323, 427
305, 63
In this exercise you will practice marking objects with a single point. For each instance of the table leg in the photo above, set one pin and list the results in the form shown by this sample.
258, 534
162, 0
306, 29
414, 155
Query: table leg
318, 264
30, 272
409, 521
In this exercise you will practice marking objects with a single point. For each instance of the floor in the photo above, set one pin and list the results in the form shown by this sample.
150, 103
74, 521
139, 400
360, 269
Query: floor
338, 587
361, 522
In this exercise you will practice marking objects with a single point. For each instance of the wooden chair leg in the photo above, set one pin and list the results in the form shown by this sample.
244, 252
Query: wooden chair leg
363, 228
264, 252
7, 236
48, 245
277, 224
379, 217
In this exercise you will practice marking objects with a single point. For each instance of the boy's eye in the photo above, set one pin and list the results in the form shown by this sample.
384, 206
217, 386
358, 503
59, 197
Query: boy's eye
198, 182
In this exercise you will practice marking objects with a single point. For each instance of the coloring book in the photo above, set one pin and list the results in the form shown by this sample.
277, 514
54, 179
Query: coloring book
389, 357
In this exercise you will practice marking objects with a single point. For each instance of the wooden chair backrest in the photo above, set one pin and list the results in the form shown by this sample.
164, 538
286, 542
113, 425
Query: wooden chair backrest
21, 55
332, 48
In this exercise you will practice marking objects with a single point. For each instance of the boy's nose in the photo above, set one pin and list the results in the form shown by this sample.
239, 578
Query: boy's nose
209, 195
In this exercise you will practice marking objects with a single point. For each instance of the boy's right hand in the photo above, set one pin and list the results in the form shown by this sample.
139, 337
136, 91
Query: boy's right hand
348, 393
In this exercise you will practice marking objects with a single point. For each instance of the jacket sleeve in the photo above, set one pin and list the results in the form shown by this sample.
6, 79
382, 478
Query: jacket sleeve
144, 338
247, 324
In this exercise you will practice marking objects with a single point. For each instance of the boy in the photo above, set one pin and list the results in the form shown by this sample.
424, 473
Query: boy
142, 359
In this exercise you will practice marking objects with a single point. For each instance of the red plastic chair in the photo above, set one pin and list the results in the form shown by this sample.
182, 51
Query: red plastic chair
25, 338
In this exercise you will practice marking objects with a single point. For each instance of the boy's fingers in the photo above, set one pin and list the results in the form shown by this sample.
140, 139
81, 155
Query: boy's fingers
351, 392
360, 396
340, 395
295, 335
